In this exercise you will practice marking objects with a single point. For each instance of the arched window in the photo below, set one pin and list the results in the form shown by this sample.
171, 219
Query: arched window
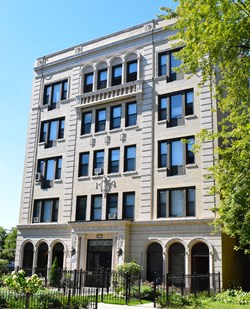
154, 261
28, 253
42, 259
58, 252
176, 257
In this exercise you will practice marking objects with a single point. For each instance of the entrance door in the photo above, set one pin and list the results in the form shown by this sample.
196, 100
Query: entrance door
154, 262
99, 258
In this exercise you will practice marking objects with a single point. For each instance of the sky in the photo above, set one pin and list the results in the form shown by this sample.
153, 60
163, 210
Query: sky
30, 29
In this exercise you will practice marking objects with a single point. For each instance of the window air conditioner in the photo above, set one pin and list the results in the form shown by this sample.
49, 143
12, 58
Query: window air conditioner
98, 171
112, 216
35, 219
38, 177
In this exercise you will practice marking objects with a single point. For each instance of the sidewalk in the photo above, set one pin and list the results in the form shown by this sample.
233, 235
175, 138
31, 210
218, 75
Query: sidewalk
112, 306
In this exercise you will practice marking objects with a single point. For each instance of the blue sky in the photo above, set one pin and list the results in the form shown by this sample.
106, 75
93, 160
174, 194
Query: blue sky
30, 29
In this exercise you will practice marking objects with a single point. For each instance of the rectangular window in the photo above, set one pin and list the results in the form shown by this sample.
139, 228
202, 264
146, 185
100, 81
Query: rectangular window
45, 210
176, 202
128, 205
173, 107
49, 169
88, 82
167, 63
116, 74
100, 123
81, 206
102, 79
86, 123
115, 117
98, 163
175, 154
54, 93
132, 71
51, 131
84, 164
130, 158
131, 114
114, 159
112, 206
96, 207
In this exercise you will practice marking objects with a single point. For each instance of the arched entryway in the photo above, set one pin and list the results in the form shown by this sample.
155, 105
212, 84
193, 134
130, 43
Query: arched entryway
200, 266
42, 259
176, 259
28, 254
154, 261
57, 252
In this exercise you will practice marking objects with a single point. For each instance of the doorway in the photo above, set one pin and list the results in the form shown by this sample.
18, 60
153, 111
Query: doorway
154, 262
99, 255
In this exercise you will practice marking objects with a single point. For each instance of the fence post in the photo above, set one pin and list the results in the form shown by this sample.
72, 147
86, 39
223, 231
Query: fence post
167, 289
154, 295
69, 298
96, 298
74, 283
27, 297
195, 278
102, 283
80, 282
219, 280
182, 284
208, 286
126, 287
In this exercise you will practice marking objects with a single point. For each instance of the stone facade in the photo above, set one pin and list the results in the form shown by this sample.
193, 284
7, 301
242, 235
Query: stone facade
147, 204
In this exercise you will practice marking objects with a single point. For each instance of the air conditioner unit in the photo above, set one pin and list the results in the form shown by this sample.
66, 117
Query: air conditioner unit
38, 177
98, 171
35, 219
112, 216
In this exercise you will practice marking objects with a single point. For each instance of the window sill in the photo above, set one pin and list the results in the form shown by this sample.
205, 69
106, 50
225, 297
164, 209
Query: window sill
83, 178
86, 135
130, 173
58, 181
114, 175
100, 133
97, 176
162, 169
189, 117
135, 127
192, 165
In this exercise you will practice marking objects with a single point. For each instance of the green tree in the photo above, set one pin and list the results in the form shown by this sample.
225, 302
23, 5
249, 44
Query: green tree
2, 239
9, 245
216, 39
55, 274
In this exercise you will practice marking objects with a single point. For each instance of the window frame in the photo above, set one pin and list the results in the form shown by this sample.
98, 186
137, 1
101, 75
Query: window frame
39, 210
81, 205
86, 126
88, 87
130, 118
133, 75
111, 204
127, 159
116, 80
188, 157
166, 69
102, 83
96, 164
164, 113
48, 93
100, 125
83, 166
113, 119
113, 168
42, 168
93, 208
164, 208
46, 134
125, 205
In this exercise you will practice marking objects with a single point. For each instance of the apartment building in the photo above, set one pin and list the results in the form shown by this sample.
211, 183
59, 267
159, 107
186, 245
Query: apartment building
110, 175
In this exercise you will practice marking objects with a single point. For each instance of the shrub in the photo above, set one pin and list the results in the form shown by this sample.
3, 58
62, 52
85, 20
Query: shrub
54, 274
77, 302
132, 268
3, 302
234, 297
48, 301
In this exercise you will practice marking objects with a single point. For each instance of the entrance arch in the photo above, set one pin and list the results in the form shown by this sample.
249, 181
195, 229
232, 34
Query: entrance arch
28, 254
176, 258
200, 258
57, 252
154, 261
42, 259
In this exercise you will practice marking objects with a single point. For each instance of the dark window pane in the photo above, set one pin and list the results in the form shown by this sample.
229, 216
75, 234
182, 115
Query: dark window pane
132, 71
117, 75
112, 204
162, 203
191, 202
96, 208
162, 64
189, 103
176, 203
174, 63
130, 155
131, 114
88, 82
84, 164
162, 154
102, 79
98, 161
115, 119
128, 205
162, 115
176, 157
86, 122
100, 120
190, 153
175, 109
81, 205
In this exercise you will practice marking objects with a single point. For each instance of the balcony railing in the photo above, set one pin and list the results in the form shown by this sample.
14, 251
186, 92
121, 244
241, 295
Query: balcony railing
110, 94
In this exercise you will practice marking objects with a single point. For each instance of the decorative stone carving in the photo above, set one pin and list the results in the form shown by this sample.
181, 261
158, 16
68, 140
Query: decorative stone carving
105, 185
92, 142
123, 137
107, 139
78, 50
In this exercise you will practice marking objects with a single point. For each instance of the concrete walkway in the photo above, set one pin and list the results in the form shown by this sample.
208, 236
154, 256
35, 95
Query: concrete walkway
112, 306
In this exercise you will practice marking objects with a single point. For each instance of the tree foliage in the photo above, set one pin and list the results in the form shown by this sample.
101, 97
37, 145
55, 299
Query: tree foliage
216, 39
9, 245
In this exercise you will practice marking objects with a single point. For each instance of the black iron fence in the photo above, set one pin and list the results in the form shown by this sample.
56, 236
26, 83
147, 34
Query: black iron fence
69, 286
